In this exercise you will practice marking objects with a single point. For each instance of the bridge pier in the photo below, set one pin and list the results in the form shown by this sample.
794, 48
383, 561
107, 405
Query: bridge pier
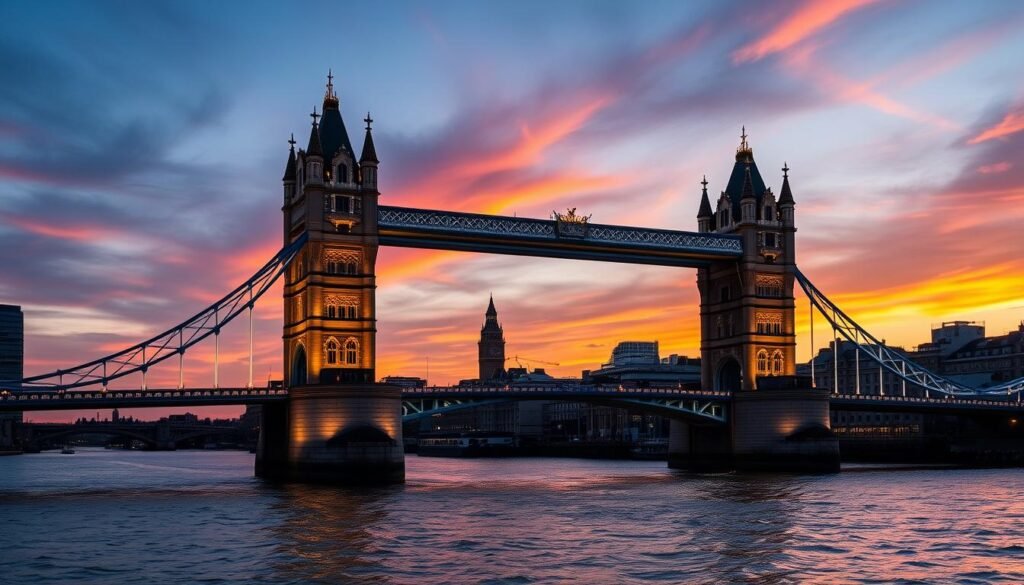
699, 447
782, 426
345, 434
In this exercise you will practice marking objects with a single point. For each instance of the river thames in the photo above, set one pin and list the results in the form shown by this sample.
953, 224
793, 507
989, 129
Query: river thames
110, 517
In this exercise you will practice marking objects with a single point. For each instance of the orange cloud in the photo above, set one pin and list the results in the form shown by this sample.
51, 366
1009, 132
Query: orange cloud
811, 17
533, 141
1011, 123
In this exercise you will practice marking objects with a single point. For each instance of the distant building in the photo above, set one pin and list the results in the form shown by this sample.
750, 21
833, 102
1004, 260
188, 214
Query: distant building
183, 419
638, 362
12, 343
959, 350
491, 346
12, 364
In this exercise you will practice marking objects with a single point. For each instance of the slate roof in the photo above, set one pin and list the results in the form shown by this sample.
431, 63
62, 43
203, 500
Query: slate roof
369, 151
333, 135
314, 148
289, 169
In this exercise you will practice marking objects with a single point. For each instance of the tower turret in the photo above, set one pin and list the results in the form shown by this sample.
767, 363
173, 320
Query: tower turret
704, 214
368, 160
289, 172
786, 203
314, 153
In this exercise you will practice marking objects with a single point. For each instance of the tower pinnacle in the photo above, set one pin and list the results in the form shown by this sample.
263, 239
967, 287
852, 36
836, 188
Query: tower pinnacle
369, 150
786, 195
705, 203
330, 98
744, 153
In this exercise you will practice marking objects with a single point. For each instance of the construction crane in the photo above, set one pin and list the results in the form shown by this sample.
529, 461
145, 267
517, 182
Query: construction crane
520, 360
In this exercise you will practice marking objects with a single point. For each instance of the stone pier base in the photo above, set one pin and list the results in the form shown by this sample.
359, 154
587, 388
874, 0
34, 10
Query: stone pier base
783, 429
345, 434
699, 448
782, 426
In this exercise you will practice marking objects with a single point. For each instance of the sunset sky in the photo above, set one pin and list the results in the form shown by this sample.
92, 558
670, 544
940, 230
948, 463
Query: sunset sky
142, 146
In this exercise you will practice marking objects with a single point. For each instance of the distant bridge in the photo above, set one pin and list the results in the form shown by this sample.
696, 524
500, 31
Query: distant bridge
160, 435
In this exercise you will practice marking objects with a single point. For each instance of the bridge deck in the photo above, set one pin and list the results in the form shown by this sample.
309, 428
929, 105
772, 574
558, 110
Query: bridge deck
471, 232
945, 405
33, 400
29, 400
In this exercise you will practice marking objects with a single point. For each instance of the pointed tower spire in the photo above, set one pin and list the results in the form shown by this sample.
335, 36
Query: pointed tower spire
369, 151
289, 169
491, 311
786, 196
314, 148
705, 203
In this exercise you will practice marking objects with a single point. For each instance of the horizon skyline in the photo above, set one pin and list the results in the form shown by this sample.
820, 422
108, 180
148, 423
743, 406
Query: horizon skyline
121, 220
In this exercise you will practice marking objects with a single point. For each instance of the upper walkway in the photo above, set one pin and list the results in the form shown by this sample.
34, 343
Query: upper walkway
580, 240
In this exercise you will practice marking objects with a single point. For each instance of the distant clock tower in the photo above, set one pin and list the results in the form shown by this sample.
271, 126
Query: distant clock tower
492, 346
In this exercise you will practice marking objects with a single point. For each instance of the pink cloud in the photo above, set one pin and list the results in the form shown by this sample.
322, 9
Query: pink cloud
810, 18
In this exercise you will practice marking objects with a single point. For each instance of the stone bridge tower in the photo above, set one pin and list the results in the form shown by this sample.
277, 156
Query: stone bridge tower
340, 425
747, 307
329, 312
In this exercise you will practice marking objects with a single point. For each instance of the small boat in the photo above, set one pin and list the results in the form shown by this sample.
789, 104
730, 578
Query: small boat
650, 450
475, 444
67, 450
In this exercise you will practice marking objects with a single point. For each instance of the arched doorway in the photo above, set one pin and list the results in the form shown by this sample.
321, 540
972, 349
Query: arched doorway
298, 377
728, 378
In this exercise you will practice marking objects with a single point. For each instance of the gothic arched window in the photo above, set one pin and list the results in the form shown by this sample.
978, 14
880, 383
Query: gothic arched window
342, 174
777, 363
331, 351
762, 362
351, 352
341, 307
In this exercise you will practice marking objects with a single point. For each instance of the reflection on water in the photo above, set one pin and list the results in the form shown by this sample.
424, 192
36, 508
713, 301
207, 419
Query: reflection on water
126, 517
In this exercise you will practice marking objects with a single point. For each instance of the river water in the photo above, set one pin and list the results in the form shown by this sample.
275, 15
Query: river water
110, 517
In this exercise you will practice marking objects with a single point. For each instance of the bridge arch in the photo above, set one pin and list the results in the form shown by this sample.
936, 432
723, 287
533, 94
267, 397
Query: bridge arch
43, 438
684, 410
728, 375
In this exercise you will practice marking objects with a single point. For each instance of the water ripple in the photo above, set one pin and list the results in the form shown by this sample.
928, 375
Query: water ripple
200, 517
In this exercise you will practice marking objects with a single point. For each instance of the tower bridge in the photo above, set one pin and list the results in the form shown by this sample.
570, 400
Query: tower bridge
332, 422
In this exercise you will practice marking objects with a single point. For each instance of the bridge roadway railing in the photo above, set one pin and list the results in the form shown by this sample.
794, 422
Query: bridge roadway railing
945, 404
29, 400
